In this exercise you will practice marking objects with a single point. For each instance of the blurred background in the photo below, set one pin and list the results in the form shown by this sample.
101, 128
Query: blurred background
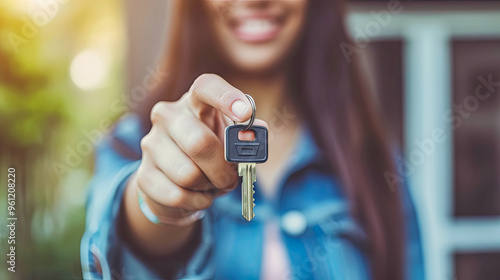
67, 69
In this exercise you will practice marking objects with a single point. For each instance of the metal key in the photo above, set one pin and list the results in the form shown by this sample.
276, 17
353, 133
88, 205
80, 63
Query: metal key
247, 171
247, 154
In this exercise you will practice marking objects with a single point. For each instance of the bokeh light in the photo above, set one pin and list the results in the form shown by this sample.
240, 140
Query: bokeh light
89, 69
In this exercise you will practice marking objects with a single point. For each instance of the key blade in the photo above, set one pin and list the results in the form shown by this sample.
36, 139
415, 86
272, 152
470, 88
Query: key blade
247, 171
241, 170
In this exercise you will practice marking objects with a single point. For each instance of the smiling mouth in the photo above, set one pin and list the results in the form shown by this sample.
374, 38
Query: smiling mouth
257, 29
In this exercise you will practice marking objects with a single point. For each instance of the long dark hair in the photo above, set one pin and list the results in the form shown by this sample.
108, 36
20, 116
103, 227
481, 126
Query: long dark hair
329, 91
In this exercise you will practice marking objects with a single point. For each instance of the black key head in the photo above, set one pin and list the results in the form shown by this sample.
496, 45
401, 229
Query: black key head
246, 151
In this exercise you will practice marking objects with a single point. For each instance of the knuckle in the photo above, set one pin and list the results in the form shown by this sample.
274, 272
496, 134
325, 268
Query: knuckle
145, 143
159, 111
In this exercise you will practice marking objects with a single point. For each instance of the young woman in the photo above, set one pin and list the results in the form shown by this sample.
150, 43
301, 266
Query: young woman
165, 204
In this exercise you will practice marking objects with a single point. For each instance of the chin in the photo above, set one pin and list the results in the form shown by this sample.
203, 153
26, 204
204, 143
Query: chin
255, 62
254, 67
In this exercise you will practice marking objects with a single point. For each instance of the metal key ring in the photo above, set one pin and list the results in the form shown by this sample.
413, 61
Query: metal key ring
254, 109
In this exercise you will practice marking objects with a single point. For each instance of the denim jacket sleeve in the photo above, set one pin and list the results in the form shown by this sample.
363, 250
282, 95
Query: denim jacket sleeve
104, 255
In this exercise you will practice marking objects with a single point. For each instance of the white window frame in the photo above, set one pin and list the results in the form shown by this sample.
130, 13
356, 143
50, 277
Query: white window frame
426, 36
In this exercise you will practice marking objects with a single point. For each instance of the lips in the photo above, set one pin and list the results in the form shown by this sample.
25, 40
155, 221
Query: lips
257, 29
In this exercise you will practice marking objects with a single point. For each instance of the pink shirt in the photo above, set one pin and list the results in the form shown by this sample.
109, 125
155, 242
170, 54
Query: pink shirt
275, 261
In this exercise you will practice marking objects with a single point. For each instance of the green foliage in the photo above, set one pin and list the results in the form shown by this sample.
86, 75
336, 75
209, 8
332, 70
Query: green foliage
29, 119
31, 97
42, 113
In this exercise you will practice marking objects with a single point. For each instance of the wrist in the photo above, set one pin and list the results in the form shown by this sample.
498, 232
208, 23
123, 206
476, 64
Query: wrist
162, 219
146, 237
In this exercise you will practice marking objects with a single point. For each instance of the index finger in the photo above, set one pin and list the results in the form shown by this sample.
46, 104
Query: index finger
212, 90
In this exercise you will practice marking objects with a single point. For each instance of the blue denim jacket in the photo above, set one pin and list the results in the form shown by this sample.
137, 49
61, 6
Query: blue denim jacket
322, 239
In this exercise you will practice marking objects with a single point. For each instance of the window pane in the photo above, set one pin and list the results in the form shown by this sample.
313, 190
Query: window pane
477, 265
476, 120
385, 69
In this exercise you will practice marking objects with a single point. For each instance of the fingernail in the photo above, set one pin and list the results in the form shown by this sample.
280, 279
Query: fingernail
239, 108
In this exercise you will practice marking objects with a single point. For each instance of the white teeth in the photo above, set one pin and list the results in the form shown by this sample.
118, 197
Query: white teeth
256, 26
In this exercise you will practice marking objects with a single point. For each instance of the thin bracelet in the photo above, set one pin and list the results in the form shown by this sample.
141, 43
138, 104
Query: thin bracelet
163, 220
